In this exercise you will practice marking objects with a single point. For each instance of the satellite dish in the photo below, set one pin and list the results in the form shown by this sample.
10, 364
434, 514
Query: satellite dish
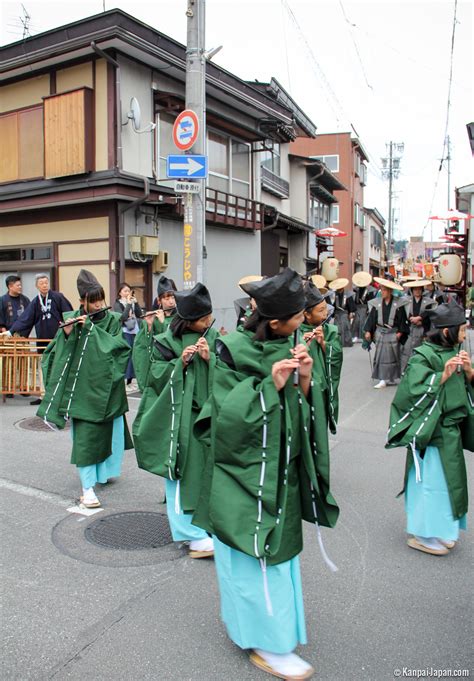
134, 115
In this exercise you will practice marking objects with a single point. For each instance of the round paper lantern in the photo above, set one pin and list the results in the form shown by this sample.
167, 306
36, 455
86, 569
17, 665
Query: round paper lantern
450, 269
330, 269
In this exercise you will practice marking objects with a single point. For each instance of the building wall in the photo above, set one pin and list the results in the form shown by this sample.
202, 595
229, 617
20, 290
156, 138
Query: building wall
232, 255
24, 93
74, 77
137, 148
298, 192
465, 203
32, 90
101, 116
76, 243
346, 248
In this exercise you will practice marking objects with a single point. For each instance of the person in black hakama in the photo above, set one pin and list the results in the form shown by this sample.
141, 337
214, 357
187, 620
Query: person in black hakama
416, 309
363, 292
345, 308
387, 326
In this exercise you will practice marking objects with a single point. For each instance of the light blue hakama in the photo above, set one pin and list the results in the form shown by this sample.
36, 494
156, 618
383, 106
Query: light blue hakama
244, 609
180, 523
427, 503
112, 466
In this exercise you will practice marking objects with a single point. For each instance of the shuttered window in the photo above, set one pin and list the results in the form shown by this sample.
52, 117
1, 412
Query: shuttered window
22, 156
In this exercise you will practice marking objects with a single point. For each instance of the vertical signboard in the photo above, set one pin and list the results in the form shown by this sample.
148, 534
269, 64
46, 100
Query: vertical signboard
190, 245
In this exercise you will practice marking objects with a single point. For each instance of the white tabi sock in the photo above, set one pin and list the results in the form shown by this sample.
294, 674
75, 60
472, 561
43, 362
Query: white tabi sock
205, 544
288, 664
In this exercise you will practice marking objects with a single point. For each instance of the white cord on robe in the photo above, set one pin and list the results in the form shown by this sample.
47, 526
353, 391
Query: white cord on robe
325, 556
417, 463
268, 601
177, 508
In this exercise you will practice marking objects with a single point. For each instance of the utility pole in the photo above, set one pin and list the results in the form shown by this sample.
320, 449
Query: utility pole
195, 204
390, 218
390, 172
448, 158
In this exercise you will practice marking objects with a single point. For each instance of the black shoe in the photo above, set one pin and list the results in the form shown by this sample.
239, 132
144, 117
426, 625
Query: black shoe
34, 403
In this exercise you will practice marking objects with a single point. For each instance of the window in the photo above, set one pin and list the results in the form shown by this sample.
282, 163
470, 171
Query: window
229, 164
360, 169
229, 158
165, 142
319, 214
26, 254
22, 156
331, 161
69, 133
270, 158
359, 217
334, 214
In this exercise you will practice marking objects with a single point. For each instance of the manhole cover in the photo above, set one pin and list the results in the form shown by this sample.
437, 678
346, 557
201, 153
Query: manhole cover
130, 531
36, 424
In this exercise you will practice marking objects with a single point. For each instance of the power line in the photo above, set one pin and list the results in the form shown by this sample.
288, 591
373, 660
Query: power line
351, 25
448, 108
331, 97
286, 46
333, 101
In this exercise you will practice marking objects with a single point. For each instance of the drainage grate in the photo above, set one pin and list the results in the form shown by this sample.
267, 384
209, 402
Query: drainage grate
37, 424
130, 531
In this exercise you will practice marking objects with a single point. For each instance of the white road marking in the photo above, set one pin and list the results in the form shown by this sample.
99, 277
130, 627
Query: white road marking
82, 510
50, 497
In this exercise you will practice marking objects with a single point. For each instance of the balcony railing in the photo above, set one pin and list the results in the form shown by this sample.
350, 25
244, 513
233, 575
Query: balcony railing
232, 210
274, 183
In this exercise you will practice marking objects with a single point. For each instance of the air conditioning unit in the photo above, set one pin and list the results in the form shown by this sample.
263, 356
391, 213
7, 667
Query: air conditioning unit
149, 245
160, 262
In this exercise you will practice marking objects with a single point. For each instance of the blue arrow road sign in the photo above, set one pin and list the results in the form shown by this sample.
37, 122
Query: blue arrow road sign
186, 165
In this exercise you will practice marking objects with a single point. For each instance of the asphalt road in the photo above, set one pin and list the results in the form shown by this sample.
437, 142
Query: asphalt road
72, 610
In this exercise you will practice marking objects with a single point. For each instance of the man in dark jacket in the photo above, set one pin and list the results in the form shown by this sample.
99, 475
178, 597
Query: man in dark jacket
13, 303
45, 312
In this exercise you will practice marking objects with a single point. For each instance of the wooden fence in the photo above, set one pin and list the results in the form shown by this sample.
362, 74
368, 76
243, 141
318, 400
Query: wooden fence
20, 365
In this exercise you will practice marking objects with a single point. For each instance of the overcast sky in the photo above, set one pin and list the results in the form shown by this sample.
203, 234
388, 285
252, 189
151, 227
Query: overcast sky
381, 67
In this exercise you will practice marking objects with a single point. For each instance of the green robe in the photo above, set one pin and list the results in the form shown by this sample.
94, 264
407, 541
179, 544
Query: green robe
425, 412
268, 466
143, 348
327, 369
171, 402
84, 380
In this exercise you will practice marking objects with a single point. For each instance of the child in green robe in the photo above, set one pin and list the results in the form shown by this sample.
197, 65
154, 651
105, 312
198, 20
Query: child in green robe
433, 415
83, 369
325, 348
178, 385
156, 321
267, 470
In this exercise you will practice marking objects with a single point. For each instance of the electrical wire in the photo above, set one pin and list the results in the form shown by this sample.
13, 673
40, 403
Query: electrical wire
351, 25
448, 108
286, 46
328, 92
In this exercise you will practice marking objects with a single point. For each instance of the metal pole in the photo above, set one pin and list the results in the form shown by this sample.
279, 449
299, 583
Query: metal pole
448, 158
196, 100
390, 176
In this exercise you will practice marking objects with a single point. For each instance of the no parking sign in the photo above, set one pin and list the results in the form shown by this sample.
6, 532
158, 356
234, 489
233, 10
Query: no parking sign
185, 130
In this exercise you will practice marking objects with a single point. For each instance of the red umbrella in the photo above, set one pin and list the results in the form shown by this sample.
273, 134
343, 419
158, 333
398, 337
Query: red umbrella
451, 215
330, 232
